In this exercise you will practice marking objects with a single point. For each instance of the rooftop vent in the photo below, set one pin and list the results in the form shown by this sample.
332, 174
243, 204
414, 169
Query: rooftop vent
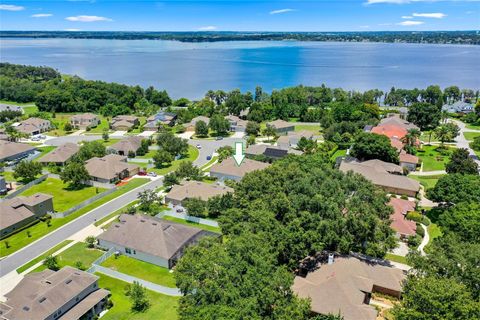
154, 223
26, 308
141, 220
68, 281
42, 299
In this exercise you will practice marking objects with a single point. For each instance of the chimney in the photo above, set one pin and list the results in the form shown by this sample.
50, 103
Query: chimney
330, 258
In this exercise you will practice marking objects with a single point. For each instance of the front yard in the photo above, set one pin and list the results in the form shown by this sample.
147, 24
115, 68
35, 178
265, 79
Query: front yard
432, 159
471, 135
427, 182
140, 269
161, 306
315, 127
193, 224
19, 240
192, 156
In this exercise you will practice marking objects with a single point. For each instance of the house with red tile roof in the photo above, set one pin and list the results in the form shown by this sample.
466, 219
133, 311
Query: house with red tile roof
400, 224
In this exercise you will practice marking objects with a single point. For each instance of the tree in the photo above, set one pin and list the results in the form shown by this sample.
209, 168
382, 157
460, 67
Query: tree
219, 124
75, 173
68, 127
224, 153
306, 145
425, 115
186, 169
170, 179
51, 262
90, 241
434, 298
456, 188
475, 145
173, 145
90, 149
411, 138
446, 132
201, 129
374, 146
461, 162
105, 135
219, 204
138, 296
27, 170
162, 158
148, 200
195, 207
252, 128
269, 131
463, 220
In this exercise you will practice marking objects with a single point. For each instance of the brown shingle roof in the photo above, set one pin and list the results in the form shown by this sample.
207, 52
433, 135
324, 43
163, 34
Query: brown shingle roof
32, 124
126, 145
408, 158
229, 167
61, 154
280, 124
14, 210
196, 189
9, 149
83, 117
149, 235
341, 286
108, 167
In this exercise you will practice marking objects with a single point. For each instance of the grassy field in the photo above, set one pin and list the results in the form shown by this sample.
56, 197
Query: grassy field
161, 306
21, 239
432, 159
471, 135
338, 153
396, 258
44, 151
148, 155
59, 121
193, 224
104, 124
63, 197
42, 256
77, 252
192, 155
434, 231
426, 181
109, 142
315, 127
473, 127
140, 269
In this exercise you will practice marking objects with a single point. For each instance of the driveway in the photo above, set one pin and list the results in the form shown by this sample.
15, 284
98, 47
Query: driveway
461, 142
31, 251
118, 134
208, 147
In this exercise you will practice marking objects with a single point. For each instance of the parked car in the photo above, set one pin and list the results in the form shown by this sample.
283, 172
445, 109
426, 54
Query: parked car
219, 138
142, 173
152, 174
180, 210
209, 157
199, 146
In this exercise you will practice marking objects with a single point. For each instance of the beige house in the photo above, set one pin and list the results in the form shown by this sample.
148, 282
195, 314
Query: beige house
84, 121
345, 285
384, 175
67, 294
228, 169
268, 151
292, 138
194, 189
127, 146
34, 126
11, 151
110, 168
149, 239
60, 155
236, 124
190, 126
408, 161
20, 211
281, 126
124, 123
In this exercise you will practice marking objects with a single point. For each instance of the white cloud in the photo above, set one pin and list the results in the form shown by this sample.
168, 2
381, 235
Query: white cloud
409, 23
11, 7
72, 29
87, 18
207, 28
41, 15
281, 11
435, 15
407, 17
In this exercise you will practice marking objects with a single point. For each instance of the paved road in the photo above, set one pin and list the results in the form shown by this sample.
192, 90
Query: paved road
461, 142
58, 141
28, 253
208, 147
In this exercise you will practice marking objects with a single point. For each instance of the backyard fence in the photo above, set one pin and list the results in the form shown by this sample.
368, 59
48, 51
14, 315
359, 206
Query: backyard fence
207, 222
25, 187
83, 204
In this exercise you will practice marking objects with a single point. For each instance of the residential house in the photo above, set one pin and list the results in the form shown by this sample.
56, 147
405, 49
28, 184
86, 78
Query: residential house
161, 118
190, 126
150, 239
229, 170
384, 175
124, 123
396, 120
84, 121
9, 107
269, 152
20, 211
345, 284
458, 107
13, 151
3, 135
61, 155
3, 186
292, 138
408, 161
110, 168
236, 124
282, 127
66, 294
33, 126
127, 146
403, 227
194, 189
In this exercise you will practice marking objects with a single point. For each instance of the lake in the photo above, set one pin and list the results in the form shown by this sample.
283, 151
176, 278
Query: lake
190, 69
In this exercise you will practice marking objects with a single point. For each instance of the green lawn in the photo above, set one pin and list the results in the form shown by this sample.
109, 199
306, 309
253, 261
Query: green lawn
115, 213
140, 269
162, 307
44, 151
473, 127
192, 155
471, 135
425, 137
193, 224
21, 239
432, 159
109, 142
59, 121
148, 155
63, 197
215, 158
427, 182
338, 153
434, 231
77, 252
104, 124
42, 256
8, 175
396, 258
315, 127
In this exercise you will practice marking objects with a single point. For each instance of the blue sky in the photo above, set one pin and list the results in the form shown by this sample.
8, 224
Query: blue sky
227, 15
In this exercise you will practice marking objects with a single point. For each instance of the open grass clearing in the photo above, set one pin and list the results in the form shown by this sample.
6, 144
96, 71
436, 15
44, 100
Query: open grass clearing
396, 258
472, 126
42, 256
161, 306
338, 153
315, 127
432, 159
192, 156
192, 224
471, 135
427, 182
140, 269
19, 240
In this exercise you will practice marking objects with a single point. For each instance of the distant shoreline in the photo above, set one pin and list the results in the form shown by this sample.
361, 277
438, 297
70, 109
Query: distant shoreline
423, 37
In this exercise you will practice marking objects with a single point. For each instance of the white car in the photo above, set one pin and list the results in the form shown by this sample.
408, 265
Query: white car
199, 146
152, 174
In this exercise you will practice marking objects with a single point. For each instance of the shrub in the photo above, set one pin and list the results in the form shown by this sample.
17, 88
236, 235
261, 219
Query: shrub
418, 217
414, 241
420, 230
